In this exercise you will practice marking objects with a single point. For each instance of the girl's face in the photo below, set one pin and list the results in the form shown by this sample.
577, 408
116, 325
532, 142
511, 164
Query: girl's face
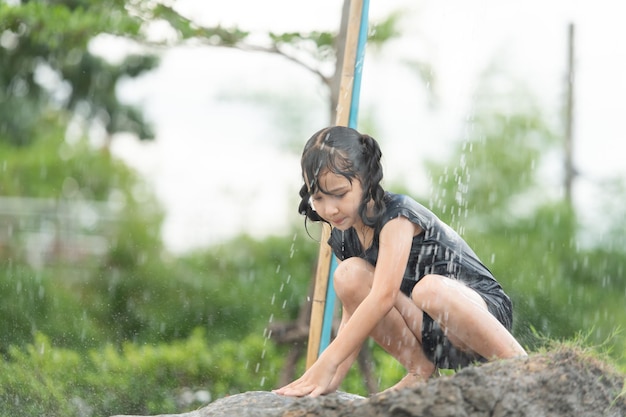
337, 200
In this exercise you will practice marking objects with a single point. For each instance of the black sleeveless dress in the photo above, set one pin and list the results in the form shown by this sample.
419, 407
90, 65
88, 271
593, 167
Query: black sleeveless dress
437, 250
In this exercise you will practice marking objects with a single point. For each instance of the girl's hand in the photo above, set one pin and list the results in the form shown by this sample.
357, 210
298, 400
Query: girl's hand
318, 380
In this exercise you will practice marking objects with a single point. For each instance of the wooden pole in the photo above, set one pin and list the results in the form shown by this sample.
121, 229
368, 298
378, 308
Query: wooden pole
342, 118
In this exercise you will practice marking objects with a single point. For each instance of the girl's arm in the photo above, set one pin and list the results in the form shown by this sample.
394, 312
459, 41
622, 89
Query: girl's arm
394, 248
325, 374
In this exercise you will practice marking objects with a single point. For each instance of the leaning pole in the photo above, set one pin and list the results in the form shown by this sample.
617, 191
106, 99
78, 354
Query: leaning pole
323, 303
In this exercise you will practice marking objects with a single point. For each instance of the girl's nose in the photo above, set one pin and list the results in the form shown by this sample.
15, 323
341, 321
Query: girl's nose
330, 209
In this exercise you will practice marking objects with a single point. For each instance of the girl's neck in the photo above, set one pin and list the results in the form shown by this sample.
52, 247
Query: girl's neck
365, 234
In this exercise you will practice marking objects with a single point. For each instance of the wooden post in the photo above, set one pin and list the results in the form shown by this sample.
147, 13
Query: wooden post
342, 118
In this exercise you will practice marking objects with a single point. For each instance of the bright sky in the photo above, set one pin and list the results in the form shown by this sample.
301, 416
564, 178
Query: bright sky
218, 170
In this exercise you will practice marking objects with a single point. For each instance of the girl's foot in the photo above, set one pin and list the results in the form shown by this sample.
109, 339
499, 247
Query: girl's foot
409, 380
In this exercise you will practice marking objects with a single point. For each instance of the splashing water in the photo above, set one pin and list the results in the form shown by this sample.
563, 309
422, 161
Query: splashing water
275, 299
459, 210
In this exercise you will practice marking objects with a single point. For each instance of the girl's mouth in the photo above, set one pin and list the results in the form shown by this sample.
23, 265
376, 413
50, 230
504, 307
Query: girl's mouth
339, 222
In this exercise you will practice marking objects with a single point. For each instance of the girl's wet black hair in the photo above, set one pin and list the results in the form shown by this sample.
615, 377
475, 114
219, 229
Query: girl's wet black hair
346, 152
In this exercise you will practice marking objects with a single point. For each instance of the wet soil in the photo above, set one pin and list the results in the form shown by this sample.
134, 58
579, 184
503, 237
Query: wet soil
559, 383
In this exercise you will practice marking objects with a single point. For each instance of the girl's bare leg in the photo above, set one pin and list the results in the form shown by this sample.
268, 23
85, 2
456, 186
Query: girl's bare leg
399, 333
464, 316
458, 309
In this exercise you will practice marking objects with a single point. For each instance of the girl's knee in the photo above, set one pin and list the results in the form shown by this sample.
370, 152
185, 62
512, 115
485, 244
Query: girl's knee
428, 286
352, 274
437, 294
428, 292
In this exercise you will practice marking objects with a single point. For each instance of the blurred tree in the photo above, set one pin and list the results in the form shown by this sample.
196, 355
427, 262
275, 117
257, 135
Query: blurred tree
76, 212
319, 52
51, 80
47, 66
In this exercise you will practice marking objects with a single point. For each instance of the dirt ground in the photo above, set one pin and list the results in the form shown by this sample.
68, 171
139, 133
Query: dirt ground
561, 383
564, 382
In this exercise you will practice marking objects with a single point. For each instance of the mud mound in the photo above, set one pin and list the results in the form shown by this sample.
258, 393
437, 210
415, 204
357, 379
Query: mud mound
560, 383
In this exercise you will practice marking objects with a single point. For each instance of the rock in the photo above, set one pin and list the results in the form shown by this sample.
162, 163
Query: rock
560, 383
264, 404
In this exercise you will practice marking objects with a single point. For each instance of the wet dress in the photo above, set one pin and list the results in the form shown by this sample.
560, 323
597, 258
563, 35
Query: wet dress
437, 250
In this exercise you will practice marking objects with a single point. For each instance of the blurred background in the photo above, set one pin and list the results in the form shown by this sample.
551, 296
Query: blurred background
151, 255
419, 93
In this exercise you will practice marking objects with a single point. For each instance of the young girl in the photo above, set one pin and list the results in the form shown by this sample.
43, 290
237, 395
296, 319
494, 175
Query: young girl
404, 277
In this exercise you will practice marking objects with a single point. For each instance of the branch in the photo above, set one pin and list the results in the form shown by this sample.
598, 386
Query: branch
276, 50
236, 38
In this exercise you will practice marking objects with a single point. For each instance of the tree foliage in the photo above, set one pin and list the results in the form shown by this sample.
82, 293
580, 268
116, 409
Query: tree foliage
319, 52
47, 66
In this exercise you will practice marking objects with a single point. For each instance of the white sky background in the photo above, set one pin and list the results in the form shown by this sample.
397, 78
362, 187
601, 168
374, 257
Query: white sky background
219, 171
